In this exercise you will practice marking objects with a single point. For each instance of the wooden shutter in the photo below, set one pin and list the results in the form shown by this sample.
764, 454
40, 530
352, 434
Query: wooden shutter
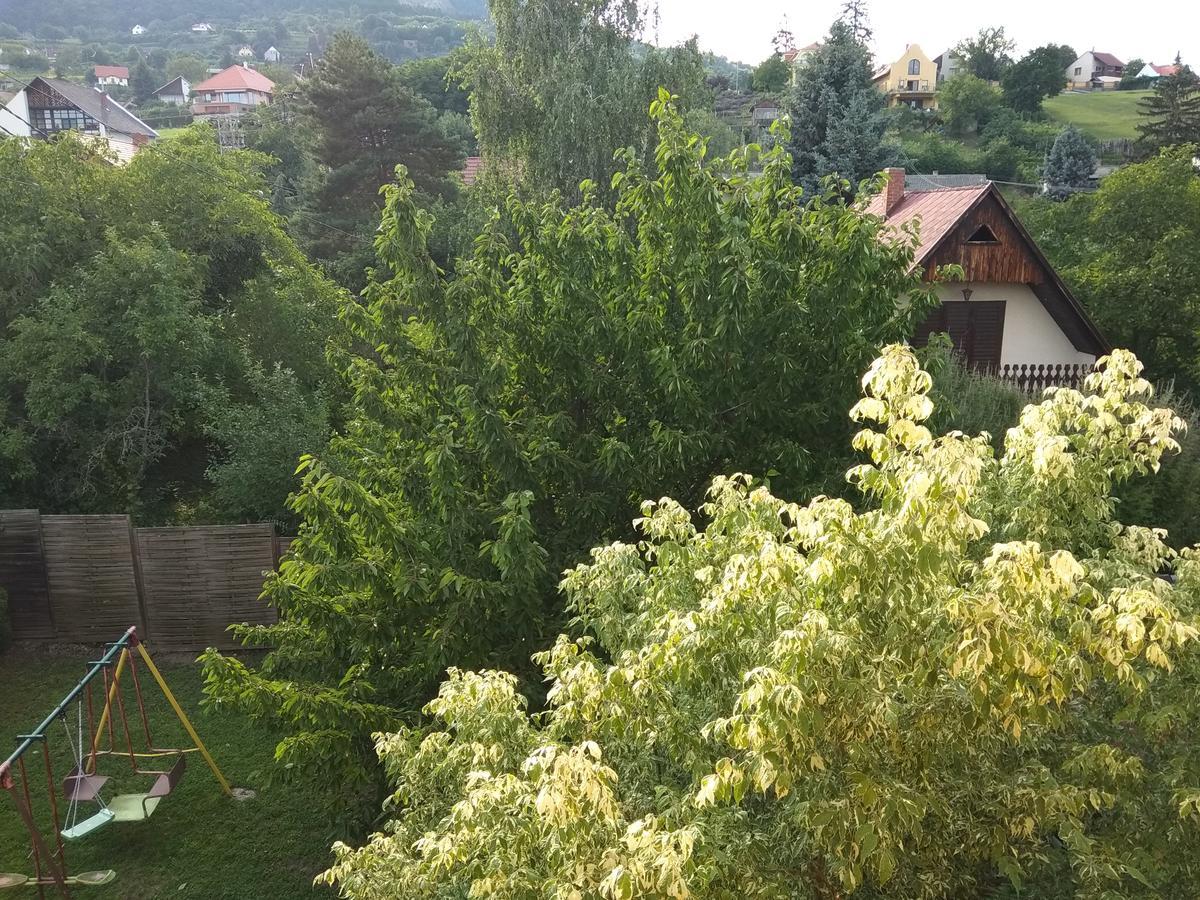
975, 329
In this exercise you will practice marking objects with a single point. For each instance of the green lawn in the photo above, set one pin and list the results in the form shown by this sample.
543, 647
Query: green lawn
165, 133
199, 843
1105, 115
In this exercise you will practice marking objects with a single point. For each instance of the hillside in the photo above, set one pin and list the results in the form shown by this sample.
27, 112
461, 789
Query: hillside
175, 15
1106, 116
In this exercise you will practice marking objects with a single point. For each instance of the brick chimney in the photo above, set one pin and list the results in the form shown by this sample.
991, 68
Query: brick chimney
894, 192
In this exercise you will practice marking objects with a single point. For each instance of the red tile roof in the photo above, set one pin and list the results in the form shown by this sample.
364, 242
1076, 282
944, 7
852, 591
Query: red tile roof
470, 169
938, 211
1165, 70
1107, 58
112, 72
237, 78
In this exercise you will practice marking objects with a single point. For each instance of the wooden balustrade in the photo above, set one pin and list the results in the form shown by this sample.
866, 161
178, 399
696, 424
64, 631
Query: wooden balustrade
1034, 377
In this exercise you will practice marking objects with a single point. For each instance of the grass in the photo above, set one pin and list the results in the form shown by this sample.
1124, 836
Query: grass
1105, 115
166, 133
199, 842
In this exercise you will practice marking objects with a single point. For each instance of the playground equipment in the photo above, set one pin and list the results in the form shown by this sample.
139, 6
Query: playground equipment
84, 785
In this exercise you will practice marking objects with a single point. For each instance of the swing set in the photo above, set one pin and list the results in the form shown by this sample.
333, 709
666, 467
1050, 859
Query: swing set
84, 785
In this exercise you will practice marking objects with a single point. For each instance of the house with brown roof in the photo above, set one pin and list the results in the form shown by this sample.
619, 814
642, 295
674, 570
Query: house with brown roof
1095, 71
1009, 312
47, 107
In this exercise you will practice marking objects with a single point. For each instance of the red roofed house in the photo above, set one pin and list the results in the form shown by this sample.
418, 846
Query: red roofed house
1011, 313
112, 75
231, 92
1150, 70
1095, 71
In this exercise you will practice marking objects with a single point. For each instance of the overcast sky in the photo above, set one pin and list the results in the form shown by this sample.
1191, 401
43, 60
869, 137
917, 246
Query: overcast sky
742, 29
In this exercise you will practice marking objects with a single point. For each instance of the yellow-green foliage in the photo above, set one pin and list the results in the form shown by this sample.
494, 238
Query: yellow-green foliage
974, 685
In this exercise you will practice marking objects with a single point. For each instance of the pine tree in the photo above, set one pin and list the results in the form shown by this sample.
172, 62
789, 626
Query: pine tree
143, 81
837, 113
854, 14
1069, 165
1171, 114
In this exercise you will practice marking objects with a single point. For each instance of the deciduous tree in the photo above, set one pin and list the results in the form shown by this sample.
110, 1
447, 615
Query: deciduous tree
503, 419
987, 54
1037, 75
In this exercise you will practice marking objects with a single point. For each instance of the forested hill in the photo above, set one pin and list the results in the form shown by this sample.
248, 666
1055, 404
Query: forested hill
173, 15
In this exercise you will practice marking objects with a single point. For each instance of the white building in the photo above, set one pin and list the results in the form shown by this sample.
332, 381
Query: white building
272, 55
202, 27
137, 30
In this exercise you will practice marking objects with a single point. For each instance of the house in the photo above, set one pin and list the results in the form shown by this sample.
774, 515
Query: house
1150, 70
245, 52
764, 112
49, 106
909, 81
272, 55
1010, 313
176, 91
203, 27
112, 76
948, 65
231, 93
1094, 71
797, 55
137, 30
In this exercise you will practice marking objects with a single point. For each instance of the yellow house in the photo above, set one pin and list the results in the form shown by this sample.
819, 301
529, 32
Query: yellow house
909, 81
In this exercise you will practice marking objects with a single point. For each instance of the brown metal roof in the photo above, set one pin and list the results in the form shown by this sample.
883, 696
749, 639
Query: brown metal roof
937, 211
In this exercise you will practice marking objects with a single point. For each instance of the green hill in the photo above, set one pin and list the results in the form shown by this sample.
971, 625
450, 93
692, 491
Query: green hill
1105, 115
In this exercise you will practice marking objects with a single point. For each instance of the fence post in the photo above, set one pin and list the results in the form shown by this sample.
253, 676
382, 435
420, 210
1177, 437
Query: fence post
46, 575
136, 556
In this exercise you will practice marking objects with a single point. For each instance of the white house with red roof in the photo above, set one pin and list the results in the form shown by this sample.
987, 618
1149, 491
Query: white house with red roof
1094, 70
231, 93
1150, 70
1009, 313
112, 76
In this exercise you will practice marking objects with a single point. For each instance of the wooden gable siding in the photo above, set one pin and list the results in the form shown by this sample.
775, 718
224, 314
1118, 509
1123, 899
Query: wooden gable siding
1008, 261
42, 96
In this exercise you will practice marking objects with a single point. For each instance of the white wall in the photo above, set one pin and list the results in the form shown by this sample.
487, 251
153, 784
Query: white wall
14, 116
1031, 336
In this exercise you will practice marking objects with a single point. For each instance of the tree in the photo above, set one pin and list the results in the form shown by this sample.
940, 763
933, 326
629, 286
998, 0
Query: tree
837, 120
1069, 164
367, 122
1130, 252
430, 78
190, 66
855, 15
144, 81
966, 104
1130, 78
502, 419
954, 689
771, 75
987, 54
552, 118
1171, 114
1038, 74
136, 318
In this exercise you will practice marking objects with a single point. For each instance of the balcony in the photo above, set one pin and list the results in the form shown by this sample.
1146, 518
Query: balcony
912, 87
1033, 379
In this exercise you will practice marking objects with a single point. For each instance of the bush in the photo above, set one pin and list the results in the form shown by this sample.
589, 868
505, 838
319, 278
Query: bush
975, 687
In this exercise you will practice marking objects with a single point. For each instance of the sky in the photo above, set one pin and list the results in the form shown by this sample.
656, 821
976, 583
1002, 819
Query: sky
742, 29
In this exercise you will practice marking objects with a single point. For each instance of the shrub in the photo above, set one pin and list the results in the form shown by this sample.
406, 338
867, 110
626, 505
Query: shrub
974, 687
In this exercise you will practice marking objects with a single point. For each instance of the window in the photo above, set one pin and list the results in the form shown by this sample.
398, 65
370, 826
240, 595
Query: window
983, 235
1078, 70
914, 67
62, 120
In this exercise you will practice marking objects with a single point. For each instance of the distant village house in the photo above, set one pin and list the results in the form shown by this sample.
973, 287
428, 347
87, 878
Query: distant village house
909, 81
112, 76
1095, 71
272, 55
202, 27
137, 30
176, 91
1150, 70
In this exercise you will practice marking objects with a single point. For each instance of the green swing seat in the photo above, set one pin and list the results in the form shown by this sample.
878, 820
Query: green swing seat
88, 825
139, 807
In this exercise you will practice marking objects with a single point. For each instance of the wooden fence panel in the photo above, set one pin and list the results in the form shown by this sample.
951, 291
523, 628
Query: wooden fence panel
199, 580
23, 575
90, 573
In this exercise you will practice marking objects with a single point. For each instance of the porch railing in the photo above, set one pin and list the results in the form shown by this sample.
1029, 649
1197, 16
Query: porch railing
1032, 378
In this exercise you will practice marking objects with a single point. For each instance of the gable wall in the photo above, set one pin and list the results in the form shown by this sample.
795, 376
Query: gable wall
1008, 261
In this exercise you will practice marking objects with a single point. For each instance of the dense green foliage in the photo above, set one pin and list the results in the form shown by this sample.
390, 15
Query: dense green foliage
504, 418
560, 87
987, 54
1131, 252
137, 319
974, 687
1037, 75
837, 119
966, 103
1069, 164
771, 75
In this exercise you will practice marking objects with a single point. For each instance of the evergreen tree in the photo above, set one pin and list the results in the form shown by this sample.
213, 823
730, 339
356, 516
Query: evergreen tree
837, 113
1069, 165
854, 14
367, 122
143, 81
1171, 114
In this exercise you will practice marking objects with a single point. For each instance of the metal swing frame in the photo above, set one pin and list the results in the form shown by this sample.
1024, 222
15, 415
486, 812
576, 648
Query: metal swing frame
50, 866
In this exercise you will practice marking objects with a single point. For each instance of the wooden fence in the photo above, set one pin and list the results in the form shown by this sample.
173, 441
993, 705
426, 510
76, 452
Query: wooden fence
84, 579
